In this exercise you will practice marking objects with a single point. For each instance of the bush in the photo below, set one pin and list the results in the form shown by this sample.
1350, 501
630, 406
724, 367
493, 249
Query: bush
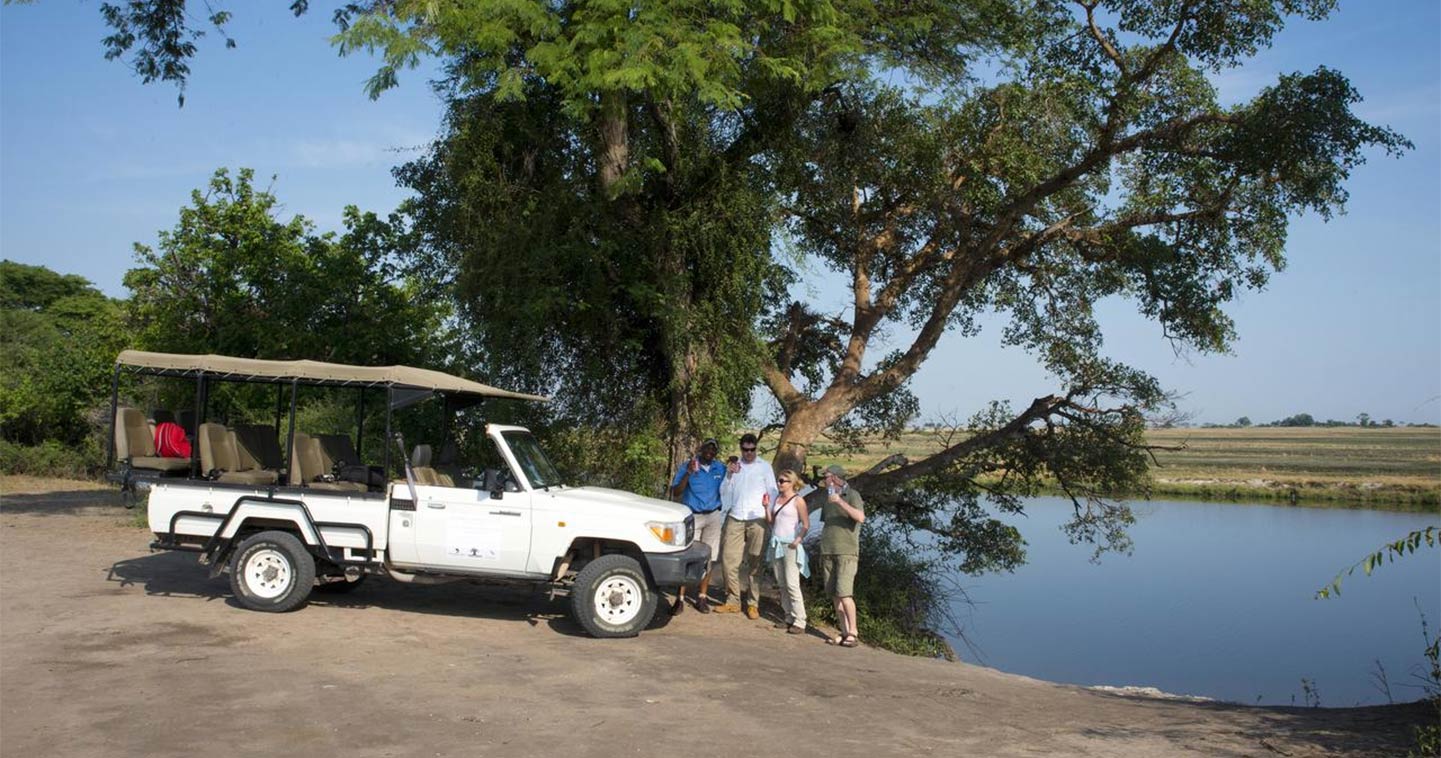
52, 459
899, 596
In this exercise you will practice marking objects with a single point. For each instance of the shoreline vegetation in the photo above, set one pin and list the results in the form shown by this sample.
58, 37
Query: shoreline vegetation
1395, 468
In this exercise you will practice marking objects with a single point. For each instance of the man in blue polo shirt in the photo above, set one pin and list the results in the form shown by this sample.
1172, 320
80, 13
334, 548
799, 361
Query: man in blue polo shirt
697, 484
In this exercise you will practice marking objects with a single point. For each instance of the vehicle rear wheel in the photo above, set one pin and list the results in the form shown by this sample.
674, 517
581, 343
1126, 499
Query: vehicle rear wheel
612, 597
271, 571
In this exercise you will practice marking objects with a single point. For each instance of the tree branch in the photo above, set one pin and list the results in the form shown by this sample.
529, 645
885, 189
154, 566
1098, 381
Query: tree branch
1095, 31
1040, 408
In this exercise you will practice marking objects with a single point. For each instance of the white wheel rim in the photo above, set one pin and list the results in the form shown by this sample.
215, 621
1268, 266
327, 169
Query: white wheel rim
267, 574
618, 600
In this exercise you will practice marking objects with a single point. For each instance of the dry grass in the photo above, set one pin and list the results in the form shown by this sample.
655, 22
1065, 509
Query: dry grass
1343, 465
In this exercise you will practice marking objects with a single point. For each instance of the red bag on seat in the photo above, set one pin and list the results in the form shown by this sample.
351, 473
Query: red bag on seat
170, 440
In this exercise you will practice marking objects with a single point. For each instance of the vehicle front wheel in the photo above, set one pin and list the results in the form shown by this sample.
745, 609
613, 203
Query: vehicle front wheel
271, 571
612, 597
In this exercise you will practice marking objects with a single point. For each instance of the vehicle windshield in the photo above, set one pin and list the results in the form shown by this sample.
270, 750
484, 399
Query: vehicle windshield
533, 463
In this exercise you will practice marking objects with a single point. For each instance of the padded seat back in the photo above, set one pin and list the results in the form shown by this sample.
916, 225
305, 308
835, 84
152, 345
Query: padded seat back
133, 438
309, 467
424, 474
337, 449
305, 465
258, 442
217, 452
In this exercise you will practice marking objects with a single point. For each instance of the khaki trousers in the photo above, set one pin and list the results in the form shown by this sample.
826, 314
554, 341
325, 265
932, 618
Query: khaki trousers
788, 579
741, 551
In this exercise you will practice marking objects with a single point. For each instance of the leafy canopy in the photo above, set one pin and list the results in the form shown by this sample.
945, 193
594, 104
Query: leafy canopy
58, 339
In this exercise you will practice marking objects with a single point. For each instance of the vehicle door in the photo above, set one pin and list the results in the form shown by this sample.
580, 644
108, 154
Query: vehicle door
471, 529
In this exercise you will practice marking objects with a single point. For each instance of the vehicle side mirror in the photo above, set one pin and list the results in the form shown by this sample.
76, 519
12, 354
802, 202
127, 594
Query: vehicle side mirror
495, 482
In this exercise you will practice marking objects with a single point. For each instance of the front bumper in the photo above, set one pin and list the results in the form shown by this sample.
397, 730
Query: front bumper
683, 568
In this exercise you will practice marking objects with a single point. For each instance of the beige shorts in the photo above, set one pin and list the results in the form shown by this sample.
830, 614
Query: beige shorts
838, 574
708, 531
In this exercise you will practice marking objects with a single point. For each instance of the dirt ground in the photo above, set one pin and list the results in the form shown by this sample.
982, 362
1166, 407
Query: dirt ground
107, 649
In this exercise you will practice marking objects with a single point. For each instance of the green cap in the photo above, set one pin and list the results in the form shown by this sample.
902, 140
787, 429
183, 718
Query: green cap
836, 470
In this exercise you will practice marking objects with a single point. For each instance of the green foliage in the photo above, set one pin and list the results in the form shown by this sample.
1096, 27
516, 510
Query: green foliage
899, 597
58, 339
52, 458
602, 205
1428, 736
231, 278
1411, 543
1099, 164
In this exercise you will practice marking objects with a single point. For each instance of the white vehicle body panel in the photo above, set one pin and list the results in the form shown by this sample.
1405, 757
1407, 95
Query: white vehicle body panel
169, 498
463, 530
454, 530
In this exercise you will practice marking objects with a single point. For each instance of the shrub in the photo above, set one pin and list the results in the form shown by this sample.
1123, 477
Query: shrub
899, 596
52, 459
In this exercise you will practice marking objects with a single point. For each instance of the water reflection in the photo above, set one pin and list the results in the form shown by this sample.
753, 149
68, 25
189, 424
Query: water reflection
1217, 601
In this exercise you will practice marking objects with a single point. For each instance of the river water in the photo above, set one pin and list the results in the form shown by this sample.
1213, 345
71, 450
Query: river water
1216, 601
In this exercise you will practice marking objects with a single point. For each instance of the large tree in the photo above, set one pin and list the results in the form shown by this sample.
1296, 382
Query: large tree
645, 156
624, 146
232, 278
58, 338
1099, 164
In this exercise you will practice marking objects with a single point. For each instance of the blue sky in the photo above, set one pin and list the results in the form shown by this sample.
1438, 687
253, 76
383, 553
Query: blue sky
92, 161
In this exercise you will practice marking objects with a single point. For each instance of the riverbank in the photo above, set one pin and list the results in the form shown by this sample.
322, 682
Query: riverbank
115, 650
1391, 468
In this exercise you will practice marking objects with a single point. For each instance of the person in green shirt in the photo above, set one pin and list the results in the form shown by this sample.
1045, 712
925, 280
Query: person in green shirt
843, 511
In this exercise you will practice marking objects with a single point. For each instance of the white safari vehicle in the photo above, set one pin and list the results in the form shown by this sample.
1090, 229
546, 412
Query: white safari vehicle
286, 512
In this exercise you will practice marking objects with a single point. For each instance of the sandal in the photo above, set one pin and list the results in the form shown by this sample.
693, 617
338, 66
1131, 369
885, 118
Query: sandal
835, 640
849, 641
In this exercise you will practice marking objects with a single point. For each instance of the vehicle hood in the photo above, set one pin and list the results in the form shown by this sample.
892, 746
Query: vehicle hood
620, 503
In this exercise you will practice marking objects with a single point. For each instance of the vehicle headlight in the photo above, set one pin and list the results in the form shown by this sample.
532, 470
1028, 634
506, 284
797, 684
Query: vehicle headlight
669, 532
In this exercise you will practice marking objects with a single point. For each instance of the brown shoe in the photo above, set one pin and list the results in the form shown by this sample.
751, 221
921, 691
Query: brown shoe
753, 612
703, 604
727, 608
795, 630
677, 606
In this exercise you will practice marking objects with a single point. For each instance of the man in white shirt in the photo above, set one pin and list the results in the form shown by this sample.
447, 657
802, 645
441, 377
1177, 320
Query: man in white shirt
749, 486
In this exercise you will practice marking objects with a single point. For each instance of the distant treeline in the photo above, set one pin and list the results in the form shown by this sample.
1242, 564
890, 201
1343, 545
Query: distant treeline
1306, 419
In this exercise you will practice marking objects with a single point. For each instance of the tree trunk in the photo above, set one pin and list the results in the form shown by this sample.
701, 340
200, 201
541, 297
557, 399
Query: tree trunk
799, 433
613, 153
681, 432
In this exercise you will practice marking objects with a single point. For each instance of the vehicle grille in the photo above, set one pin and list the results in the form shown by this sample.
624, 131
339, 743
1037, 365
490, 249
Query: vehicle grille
689, 528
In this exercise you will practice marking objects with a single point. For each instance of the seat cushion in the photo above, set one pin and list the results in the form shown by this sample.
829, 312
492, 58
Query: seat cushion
160, 464
257, 476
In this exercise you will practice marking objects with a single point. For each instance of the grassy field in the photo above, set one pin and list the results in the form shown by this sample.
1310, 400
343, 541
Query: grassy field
1398, 467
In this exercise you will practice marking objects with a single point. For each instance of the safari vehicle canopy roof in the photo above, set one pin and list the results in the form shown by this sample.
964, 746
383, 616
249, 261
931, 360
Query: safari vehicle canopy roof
316, 373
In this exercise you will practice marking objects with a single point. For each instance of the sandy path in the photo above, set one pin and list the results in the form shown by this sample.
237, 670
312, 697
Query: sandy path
106, 649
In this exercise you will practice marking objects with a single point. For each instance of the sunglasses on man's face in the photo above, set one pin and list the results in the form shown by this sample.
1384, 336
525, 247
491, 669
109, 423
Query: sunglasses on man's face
748, 450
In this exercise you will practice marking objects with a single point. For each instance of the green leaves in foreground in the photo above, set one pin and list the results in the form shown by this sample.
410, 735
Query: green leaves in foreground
1388, 553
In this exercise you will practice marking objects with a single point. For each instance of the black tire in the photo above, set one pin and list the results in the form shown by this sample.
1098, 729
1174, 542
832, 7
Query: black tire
339, 588
272, 572
629, 602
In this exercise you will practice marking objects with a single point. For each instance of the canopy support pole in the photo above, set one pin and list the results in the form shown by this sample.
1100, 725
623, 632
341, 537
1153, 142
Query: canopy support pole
360, 427
200, 402
389, 398
290, 436
114, 409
